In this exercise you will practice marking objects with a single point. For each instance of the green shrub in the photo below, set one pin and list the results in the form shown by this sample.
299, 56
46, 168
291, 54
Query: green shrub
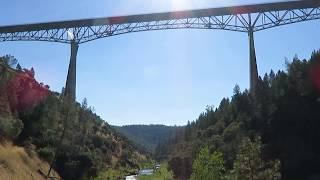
10, 127
46, 153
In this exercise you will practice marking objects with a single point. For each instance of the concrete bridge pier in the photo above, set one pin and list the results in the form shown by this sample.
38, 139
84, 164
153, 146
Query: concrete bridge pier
253, 63
252, 58
70, 89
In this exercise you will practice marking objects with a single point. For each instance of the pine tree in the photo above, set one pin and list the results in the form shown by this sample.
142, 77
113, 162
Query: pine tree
250, 166
18, 67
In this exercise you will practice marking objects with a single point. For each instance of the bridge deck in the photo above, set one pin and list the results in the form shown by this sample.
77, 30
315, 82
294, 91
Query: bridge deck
232, 10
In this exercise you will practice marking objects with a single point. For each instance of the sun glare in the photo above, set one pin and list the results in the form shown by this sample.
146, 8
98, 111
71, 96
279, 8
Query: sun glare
180, 4
198, 4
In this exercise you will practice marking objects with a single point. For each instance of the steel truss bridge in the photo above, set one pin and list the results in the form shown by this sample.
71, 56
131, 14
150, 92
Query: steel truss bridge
244, 18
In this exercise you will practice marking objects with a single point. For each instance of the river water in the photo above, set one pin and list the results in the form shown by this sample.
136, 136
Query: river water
133, 177
142, 172
146, 172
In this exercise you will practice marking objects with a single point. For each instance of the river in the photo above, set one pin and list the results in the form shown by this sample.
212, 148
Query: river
142, 172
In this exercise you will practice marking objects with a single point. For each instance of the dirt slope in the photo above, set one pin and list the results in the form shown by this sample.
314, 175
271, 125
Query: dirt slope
16, 164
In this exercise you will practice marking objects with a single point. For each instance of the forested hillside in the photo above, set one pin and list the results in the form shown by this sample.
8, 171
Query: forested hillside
70, 135
147, 136
272, 133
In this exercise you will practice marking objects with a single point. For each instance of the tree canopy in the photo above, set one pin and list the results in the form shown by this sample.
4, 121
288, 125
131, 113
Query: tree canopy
284, 112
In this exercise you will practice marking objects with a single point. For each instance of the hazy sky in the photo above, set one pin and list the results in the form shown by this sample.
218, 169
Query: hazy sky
157, 77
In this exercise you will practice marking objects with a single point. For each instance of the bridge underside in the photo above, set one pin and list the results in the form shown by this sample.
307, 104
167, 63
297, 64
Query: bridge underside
248, 19
232, 22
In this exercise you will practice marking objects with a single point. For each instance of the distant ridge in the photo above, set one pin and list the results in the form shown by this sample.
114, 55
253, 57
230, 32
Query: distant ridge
146, 136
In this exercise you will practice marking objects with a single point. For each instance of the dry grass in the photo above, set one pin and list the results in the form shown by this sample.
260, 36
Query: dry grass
16, 164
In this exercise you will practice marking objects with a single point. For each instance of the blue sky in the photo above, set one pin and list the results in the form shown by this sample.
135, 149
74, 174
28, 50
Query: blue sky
159, 77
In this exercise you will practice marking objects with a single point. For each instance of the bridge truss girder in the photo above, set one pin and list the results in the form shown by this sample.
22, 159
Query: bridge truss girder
233, 22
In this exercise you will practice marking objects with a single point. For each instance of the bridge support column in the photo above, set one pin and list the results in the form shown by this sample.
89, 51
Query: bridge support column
253, 63
70, 89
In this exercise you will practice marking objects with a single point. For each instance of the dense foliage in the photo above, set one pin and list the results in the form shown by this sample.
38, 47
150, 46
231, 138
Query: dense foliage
250, 165
208, 166
79, 143
284, 112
